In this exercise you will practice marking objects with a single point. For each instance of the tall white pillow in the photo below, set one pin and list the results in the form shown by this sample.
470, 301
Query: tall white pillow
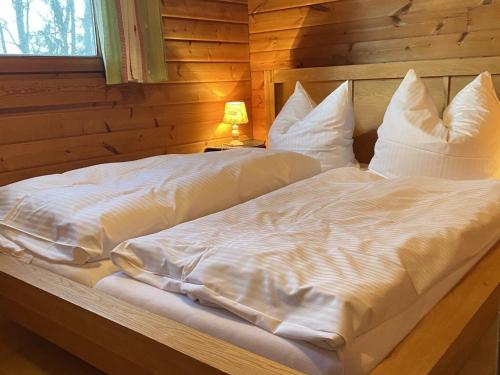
323, 132
414, 141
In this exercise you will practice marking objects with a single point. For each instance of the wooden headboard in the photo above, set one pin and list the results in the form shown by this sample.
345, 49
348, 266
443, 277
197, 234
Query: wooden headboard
372, 86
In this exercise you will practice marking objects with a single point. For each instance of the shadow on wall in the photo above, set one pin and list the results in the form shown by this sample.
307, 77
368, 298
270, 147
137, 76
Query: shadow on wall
313, 46
327, 36
350, 32
297, 44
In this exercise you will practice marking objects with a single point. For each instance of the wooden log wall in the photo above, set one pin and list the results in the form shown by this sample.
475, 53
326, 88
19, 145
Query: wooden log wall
52, 122
308, 33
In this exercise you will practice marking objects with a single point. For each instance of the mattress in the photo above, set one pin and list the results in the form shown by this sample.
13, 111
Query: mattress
88, 274
360, 358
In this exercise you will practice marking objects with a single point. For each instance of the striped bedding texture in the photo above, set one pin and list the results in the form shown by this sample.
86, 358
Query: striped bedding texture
80, 216
326, 259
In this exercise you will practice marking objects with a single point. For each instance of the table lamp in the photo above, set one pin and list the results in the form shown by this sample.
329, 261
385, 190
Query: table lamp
235, 113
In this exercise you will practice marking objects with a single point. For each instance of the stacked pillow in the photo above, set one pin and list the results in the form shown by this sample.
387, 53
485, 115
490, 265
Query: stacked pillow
465, 144
323, 132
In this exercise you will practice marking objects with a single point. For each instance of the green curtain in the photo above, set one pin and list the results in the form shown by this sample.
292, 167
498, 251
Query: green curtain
131, 40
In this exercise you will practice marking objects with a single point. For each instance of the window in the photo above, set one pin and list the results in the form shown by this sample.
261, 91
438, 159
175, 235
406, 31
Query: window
47, 28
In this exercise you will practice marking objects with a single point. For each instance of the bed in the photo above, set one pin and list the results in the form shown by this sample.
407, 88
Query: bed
63, 311
302, 357
342, 264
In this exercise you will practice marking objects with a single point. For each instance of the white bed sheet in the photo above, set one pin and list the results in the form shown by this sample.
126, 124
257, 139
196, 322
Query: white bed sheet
79, 216
87, 274
363, 355
327, 259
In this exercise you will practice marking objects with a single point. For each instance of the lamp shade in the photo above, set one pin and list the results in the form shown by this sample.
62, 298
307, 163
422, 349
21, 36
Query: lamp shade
235, 113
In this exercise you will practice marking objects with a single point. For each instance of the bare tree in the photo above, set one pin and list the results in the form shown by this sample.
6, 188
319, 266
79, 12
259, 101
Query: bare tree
89, 36
3, 44
22, 9
71, 11
22, 14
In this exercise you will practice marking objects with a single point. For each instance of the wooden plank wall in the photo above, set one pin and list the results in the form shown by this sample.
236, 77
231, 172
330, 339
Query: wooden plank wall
308, 33
54, 122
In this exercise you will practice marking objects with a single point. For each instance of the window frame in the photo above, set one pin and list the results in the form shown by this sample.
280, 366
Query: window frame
11, 64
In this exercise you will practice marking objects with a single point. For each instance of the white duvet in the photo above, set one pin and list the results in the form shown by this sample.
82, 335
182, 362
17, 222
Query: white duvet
326, 259
80, 216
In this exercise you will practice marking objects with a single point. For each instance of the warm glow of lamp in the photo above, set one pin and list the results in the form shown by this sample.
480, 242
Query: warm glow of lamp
235, 113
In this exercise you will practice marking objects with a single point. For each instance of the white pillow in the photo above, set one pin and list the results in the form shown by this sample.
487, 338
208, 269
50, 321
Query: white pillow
323, 132
414, 141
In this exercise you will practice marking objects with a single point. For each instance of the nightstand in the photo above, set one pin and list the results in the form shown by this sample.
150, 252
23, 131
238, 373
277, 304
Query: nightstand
252, 143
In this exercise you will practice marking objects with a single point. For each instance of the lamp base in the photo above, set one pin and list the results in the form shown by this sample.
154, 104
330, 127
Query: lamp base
235, 143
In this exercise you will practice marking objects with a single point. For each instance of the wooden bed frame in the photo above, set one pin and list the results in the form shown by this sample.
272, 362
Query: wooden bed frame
119, 338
